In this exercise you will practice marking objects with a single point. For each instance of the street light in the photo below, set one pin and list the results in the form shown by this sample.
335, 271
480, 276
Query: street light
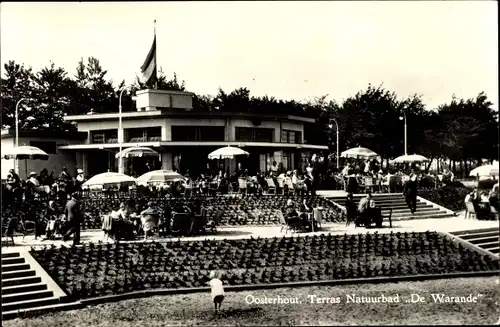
17, 132
337, 125
120, 131
406, 137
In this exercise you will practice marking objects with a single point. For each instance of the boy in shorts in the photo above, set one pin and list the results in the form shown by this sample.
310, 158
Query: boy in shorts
217, 289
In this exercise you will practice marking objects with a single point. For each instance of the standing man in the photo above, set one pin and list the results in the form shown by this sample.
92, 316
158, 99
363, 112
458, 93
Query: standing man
410, 193
73, 219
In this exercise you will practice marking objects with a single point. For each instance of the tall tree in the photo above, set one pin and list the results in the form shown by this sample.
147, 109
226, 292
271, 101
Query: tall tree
17, 84
53, 91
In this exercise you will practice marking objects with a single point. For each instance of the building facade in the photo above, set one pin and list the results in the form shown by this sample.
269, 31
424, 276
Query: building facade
165, 122
46, 141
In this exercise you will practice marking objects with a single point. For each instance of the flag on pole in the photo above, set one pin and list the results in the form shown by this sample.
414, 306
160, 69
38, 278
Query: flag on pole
148, 69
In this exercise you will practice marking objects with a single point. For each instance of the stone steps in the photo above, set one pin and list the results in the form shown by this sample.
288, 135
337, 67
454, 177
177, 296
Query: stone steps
26, 287
487, 239
397, 203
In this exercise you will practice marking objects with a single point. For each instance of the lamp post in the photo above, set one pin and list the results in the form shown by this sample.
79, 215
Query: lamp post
406, 135
17, 132
337, 126
120, 132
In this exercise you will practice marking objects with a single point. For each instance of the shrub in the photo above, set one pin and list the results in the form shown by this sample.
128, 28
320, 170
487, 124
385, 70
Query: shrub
450, 197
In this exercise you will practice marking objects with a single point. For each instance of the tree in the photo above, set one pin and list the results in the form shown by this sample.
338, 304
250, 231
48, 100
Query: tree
53, 90
17, 84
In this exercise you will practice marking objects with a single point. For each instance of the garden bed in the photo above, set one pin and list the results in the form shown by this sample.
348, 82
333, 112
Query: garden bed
107, 269
225, 210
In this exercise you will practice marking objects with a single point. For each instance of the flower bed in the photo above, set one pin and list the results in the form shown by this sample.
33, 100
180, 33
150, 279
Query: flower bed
98, 270
226, 211
449, 197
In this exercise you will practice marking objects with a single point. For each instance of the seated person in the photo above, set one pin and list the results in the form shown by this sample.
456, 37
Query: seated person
483, 206
364, 217
305, 209
125, 227
149, 220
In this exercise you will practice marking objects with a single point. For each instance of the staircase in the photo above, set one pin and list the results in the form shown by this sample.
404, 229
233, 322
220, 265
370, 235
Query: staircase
400, 210
487, 239
26, 287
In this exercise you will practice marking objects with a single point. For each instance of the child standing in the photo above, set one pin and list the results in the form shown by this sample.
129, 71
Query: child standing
217, 289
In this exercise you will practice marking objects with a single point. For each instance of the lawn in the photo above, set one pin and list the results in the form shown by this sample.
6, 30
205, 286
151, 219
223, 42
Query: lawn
196, 309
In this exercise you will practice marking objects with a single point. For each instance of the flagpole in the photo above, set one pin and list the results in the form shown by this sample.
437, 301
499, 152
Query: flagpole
156, 67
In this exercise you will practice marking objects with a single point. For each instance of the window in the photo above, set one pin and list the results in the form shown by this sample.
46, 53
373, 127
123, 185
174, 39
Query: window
211, 133
48, 147
288, 136
287, 161
251, 134
104, 136
197, 133
150, 134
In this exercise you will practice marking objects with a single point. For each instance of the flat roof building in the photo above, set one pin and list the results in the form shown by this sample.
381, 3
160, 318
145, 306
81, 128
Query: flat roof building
165, 122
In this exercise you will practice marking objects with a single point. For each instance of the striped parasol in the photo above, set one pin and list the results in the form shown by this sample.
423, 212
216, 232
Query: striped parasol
109, 178
227, 152
359, 152
160, 176
138, 151
25, 152
409, 158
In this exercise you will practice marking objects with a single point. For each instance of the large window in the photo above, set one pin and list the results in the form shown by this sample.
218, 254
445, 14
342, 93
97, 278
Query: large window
150, 134
251, 134
287, 161
48, 147
288, 136
104, 136
198, 133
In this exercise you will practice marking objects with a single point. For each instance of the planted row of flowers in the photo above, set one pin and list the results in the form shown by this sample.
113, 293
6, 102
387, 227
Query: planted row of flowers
226, 211
105, 269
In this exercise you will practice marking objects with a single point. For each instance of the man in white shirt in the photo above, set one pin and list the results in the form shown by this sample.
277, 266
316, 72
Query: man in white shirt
33, 180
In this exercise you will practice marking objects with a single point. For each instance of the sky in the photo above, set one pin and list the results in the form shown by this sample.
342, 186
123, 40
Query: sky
289, 50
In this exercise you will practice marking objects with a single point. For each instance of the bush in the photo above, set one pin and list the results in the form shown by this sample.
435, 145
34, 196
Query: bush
450, 197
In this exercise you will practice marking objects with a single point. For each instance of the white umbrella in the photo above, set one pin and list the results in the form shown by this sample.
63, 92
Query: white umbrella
160, 176
486, 170
409, 158
359, 152
227, 152
109, 178
25, 152
138, 151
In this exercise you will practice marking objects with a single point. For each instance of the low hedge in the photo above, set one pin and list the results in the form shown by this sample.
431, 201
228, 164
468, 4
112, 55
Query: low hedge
450, 197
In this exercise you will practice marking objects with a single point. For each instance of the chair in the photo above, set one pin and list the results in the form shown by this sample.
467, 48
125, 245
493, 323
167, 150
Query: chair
181, 223
291, 188
368, 183
242, 185
10, 231
469, 210
389, 217
28, 227
494, 212
318, 216
281, 185
283, 222
270, 186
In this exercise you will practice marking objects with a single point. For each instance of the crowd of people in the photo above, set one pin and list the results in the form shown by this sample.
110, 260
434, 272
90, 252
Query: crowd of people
482, 202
